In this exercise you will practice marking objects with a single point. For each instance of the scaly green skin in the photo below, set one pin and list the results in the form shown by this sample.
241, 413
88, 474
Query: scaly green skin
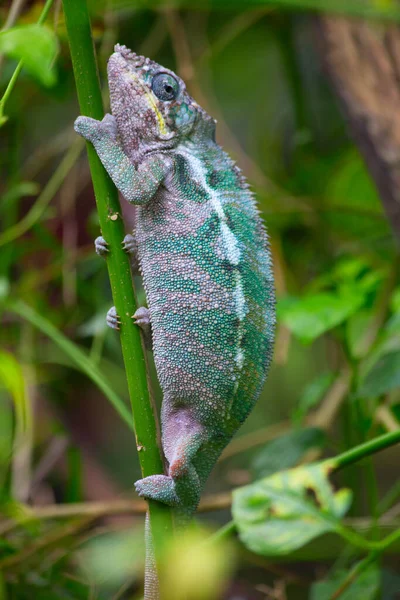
203, 254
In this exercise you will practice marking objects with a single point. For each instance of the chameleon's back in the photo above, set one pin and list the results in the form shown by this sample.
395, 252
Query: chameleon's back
207, 273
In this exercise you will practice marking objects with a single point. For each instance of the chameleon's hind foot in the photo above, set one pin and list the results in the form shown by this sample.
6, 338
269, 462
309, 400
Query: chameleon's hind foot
113, 319
101, 246
142, 318
158, 487
129, 243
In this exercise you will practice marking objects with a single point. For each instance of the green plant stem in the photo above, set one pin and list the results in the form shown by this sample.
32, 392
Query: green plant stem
18, 69
112, 227
222, 533
390, 498
371, 447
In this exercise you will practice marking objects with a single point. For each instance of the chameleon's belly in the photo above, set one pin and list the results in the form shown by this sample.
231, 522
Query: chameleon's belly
211, 323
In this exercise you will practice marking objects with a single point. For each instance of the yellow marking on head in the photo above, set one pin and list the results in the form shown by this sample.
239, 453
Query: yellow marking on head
150, 99
160, 118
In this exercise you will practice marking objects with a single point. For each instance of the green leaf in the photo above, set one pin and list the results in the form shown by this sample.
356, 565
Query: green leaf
112, 558
83, 362
364, 587
281, 513
36, 46
382, 378
357, 328
395, 300
12, 380
286, 451
312, 395
311, 316
6, 439
4, 288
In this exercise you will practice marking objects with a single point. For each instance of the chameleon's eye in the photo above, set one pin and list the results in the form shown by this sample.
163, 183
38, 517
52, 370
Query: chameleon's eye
165, 87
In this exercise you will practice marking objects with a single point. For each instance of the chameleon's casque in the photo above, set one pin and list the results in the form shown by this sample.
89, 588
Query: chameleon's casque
203, 253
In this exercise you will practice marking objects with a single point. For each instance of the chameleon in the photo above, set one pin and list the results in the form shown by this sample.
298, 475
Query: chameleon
204, 256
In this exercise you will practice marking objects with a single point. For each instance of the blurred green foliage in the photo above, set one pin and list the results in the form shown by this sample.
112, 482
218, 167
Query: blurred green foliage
335, 380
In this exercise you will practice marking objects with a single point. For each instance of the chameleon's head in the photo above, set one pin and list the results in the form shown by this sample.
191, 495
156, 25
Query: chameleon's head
150, 103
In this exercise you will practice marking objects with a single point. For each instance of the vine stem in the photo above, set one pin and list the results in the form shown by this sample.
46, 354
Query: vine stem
354, 573
112, 227
18, 68
363, 450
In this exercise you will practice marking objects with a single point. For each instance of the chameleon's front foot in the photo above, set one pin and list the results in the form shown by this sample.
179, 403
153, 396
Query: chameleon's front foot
113, 319
101, 246
90, 129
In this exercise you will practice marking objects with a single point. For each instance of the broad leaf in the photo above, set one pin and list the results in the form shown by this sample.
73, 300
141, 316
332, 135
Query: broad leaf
311, 316
286, 451
112, 558
383, 377
281, 513
364, 587
36, 45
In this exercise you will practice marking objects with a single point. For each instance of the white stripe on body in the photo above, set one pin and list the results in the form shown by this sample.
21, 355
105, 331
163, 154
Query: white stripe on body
231, 245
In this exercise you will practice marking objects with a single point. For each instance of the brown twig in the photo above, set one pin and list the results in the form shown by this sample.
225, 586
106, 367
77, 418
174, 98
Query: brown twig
51, 538
363, 61
97, 510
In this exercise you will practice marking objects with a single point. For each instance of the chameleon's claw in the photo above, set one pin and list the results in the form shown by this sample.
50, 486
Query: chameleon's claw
113, 319
129, 243
101, 246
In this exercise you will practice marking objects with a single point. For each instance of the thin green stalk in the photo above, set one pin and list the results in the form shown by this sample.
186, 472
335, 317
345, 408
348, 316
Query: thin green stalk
18, 69
3, 592
45, 197
112, 227
390, 498
371, 447
222, 533
79, 358
354, 573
